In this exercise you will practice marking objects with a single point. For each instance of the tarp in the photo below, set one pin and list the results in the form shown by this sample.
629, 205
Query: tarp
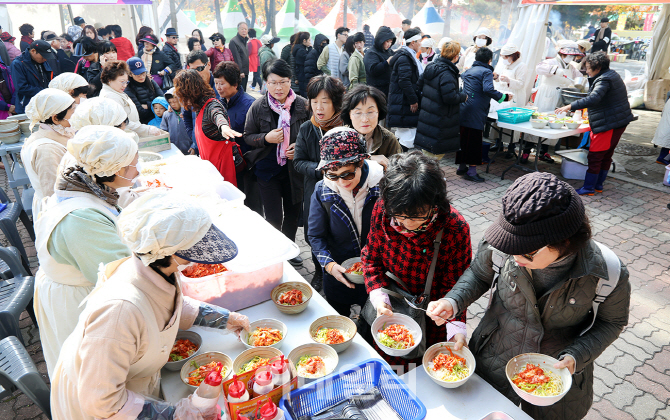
658, 57
231, 15
285, 21
185, 26
386, 15
334, 18
428, 19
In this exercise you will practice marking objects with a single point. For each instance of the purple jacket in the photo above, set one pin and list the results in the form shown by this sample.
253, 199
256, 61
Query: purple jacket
7, 77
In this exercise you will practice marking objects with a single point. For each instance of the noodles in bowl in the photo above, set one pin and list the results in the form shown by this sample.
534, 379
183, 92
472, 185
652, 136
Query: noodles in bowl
535, 379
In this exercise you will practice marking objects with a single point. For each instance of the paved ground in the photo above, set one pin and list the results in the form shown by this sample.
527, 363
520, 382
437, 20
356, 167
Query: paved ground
632, 377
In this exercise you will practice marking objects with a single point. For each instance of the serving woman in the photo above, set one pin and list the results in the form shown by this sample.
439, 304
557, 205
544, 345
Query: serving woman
114, 77
482, 38
551, 74
545, 291
406, 222
44, 149
105, 371
72, 84
77, 230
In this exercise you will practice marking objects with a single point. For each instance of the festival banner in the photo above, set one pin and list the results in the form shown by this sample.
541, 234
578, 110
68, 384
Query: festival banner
648, 22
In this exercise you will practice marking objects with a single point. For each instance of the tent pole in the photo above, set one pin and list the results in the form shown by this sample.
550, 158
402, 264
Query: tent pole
173, 14
69, 10
447, 19
154, 7
217, 11
133, 18
296, 16
62, 17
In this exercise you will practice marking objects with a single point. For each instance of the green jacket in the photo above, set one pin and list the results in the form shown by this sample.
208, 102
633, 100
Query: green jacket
517, 322
265, 54
356, 70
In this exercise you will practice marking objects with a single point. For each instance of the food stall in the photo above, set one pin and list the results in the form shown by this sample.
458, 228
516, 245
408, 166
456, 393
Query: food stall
261, 246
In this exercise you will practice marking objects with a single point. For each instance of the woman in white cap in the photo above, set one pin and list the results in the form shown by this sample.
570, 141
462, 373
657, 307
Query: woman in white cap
427, 50
482, 38
552, 72
44, 149
511, 73
76, 230
72, 84
101, 111
105, 371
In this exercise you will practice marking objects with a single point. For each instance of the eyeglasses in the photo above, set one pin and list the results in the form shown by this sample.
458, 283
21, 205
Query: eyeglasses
425, 218
283, 83
367, 115
199, 68
347, 176
345, 34
125, 83
532, 255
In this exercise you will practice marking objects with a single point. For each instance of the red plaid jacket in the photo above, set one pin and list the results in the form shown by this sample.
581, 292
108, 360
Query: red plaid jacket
410, 258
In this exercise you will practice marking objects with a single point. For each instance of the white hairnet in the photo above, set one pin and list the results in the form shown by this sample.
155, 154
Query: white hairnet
428, 43
443, 41
159, 224
566, 43
508, 49
584, 44
484, 31
47, 103
67, 82
102, 150
98, 111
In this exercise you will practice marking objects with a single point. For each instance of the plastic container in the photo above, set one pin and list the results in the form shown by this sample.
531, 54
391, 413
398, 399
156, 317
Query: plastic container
210, 387
574, 164
326, 392
514, 115
254, 272
280, 372
263, 381
237, 391
666, 177
270, 411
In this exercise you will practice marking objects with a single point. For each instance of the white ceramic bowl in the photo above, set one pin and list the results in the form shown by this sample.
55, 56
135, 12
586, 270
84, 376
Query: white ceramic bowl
518, 363
538, 123
340, 322
203, 359
11, 137
354, 278
555, 125
194, 338
384, 321
146, 157
285, 287
438, 348
247, 355
25, 127
573, 125
269, 323
327, 353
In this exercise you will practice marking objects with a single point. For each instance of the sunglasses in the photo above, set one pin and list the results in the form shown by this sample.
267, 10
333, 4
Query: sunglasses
532, 255
199, 68
347, 176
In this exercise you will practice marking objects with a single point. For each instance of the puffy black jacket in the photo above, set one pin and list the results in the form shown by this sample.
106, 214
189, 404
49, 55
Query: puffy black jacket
607, 102
174, 56
403, 90
311, 69
478, 84
142, 94
438, 130
376, 65
300, 56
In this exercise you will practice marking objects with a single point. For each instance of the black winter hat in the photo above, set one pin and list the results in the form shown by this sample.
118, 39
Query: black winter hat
537, 210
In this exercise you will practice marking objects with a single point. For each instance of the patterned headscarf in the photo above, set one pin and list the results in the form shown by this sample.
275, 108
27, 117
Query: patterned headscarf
342, 146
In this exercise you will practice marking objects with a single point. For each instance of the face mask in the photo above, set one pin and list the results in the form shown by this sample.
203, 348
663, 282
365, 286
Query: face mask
568, 59
509, 61
181, 268
480, 42
133, 180
424, 55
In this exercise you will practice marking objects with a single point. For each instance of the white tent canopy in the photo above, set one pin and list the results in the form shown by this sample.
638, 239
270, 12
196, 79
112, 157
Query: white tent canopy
333, 20
428, 19
185, 26
231, 15
387, 15
285, 21
659, 55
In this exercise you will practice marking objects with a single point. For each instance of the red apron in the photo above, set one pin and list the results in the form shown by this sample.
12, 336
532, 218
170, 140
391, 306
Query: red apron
219, 153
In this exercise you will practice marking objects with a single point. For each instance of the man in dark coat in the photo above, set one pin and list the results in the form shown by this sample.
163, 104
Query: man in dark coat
377, 59
170, 49
55, 42
404, 94
31, 73
369, 38
320, 42
439, 120
238, 46
602, 38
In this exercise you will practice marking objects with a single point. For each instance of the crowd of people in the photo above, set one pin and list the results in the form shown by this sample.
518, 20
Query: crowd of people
344, 140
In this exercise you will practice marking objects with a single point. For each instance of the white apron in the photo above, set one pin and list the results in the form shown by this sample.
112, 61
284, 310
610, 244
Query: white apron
27, 154
59, 288
144, 374
549, 91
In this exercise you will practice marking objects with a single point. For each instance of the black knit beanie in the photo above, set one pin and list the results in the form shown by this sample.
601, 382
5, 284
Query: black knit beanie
537, 210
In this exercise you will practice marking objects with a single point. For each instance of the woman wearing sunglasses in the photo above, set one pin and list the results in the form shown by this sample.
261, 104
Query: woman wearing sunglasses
542, 300
406, 222
340, 213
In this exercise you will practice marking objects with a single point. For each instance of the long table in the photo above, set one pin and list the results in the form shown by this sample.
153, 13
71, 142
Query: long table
473, 400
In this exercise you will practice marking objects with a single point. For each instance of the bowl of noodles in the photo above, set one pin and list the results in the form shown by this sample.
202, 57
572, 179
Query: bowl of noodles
535, 379
264, 333
354, 270
291, 297
397, 334
313, 361
195, 370
447, 367
337, 331
252, 359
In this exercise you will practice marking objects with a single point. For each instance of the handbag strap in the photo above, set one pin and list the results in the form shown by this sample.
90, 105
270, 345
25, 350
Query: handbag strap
431, 271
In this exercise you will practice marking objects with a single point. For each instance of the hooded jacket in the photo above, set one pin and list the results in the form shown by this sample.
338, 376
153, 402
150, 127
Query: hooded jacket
300, 56
478, 84
403, 90
376, 61
141, 94
311, 69
438, 130
28, 80
156, 122
265, 54
173, 123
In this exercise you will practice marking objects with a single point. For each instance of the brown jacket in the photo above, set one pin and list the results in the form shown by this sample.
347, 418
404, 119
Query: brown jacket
260, 121
384, 143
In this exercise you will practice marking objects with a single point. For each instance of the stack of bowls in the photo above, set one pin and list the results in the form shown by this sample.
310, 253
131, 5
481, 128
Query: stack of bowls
25, 127
9, 131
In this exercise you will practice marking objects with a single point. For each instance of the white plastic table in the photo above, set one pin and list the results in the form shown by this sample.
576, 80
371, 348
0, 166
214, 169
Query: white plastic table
439, 401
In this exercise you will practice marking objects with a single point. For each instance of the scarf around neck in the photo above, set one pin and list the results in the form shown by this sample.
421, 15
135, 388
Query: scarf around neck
75, 179
57, 128
284, 123
327, 125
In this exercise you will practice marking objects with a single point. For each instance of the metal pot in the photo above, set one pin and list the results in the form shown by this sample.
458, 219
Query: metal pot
569, 95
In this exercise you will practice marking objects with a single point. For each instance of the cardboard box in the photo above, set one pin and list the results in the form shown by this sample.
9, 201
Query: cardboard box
159, 143
248, 408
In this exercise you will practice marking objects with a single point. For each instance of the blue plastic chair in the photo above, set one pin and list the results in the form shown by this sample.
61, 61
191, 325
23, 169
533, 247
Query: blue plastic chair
16, 294
8, 219
17, 371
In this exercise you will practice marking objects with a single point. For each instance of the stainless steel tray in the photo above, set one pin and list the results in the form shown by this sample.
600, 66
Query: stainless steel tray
497, 415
